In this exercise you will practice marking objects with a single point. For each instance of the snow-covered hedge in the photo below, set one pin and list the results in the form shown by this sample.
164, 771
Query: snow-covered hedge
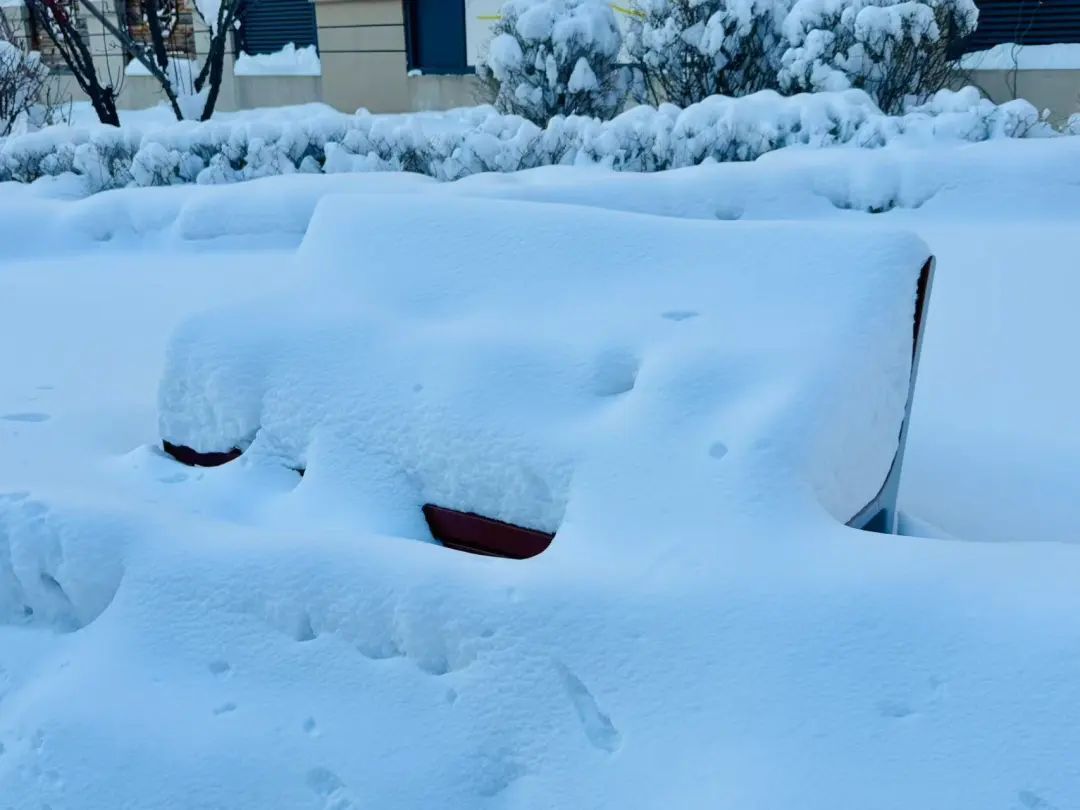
454, 144
558, 57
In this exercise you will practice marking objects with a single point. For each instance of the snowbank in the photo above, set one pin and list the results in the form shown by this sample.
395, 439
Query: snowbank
451, 145
289, 61
480, 374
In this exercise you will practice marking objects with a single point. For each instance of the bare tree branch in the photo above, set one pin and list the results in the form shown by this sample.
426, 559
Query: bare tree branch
63, 32
139, 52
151, 11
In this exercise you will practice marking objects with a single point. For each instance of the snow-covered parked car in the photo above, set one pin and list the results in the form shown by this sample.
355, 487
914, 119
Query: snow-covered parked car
493, 373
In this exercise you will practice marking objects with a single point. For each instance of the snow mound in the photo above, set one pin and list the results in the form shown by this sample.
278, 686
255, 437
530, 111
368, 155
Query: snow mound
550, 365
58, 568
289, 61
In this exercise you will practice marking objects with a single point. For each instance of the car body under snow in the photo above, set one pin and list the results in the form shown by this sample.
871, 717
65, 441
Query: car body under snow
503, 368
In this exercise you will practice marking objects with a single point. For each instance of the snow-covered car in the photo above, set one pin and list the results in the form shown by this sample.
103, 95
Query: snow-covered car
491, 373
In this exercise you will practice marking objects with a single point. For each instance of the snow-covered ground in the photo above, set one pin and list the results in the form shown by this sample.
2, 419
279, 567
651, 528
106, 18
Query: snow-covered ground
231, 652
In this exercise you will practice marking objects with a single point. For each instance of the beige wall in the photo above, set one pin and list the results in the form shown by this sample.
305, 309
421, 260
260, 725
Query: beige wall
362, 49
443, 92
1055, 90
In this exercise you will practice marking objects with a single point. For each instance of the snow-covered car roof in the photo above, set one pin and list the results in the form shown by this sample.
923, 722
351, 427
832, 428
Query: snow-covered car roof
549, 365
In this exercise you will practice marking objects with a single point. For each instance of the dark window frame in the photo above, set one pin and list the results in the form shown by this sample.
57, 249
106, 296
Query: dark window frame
310, 36
416, 31
1025, 22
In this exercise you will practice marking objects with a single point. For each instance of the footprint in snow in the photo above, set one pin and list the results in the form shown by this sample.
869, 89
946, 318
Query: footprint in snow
1033, 801
328, 785
596, 724
895, 709
614, 372
679, 314
25, 417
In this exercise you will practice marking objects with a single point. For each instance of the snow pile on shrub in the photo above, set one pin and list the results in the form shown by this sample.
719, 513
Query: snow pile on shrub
893, 49
451, 145
428, 378
693, 49
898, 51
555, 57
901, 52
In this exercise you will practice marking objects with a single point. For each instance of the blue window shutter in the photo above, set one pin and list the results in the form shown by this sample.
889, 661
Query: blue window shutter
1027, 22
270, 25
435, 35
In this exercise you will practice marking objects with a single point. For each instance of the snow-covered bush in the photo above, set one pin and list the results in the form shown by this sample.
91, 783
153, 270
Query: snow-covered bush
896, 50
555, 57
691, 49
455, 144
23, 86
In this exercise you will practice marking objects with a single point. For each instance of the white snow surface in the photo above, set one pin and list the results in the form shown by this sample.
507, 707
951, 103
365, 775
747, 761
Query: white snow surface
239, 637
289, 61
482, 376
1011, 56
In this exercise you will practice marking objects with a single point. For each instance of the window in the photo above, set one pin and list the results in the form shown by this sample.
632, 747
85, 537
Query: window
176, 21
270, 25
435, 36
40, 41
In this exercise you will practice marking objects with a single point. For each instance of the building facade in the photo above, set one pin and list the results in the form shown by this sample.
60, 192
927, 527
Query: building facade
408, 55
1027, 49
